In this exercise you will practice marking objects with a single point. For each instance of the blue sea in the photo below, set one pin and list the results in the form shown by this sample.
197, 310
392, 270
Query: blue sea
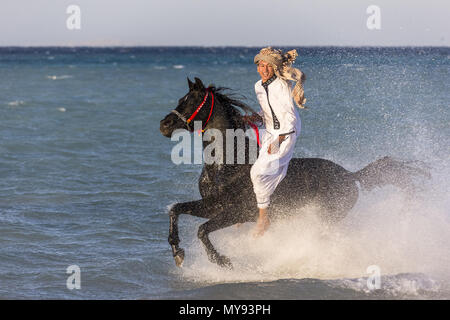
86, 178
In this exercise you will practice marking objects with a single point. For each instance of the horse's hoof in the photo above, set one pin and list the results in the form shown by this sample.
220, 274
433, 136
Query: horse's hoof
224, 262
179, 257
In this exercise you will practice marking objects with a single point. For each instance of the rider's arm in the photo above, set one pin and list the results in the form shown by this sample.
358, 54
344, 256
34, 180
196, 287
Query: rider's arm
286, 109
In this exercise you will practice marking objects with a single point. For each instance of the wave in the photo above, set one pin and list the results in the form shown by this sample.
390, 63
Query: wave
59, 77
16, 103
400, 286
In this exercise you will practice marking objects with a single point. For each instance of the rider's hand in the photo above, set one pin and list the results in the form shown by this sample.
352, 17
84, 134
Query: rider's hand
273, 147
253, 118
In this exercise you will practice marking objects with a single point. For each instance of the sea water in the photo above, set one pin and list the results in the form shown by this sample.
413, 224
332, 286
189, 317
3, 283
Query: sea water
86, 178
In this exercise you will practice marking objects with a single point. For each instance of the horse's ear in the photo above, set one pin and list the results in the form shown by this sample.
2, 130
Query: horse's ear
191, 84
199, 84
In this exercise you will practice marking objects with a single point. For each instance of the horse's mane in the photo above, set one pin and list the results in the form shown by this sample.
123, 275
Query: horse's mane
233, 106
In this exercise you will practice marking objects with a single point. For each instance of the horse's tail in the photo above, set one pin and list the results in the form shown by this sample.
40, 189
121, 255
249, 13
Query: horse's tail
389, 171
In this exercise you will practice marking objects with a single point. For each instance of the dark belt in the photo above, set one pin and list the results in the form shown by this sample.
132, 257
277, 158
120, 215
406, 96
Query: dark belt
285, 134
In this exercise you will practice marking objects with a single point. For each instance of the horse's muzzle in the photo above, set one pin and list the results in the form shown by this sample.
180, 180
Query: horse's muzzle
166, 126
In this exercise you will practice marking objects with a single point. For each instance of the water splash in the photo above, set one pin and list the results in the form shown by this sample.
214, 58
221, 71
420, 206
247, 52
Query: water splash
386, 228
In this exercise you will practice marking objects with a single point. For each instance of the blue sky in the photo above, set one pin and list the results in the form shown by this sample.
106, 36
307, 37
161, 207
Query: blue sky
223, 23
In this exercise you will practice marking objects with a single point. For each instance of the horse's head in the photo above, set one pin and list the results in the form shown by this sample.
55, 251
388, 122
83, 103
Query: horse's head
182, 115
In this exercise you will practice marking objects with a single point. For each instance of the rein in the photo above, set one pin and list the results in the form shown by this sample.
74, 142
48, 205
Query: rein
197, 110
255, 128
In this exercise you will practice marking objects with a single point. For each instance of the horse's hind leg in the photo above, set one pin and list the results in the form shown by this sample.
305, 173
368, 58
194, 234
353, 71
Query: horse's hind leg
219, 221
195, 208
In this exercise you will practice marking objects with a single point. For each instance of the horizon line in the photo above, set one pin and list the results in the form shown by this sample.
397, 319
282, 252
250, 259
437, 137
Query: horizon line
222, 46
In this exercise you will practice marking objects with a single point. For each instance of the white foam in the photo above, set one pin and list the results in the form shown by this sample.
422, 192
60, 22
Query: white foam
178, 66
59, 77
16, 103
412, 285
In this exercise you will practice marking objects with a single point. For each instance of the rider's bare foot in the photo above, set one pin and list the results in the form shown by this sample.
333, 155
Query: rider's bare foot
262, 225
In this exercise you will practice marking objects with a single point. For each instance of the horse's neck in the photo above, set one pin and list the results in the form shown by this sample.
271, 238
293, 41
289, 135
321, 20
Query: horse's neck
219, 125
223, 175
220, 122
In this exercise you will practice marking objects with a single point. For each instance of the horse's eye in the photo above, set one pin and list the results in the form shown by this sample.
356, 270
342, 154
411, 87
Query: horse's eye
183, 99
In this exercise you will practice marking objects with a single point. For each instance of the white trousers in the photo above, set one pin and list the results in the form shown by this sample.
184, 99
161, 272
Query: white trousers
269, 169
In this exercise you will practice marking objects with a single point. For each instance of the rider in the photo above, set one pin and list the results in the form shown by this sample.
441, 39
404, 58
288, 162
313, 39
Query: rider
282, 124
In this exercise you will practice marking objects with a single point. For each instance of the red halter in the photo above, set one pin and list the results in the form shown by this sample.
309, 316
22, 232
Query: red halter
208, 91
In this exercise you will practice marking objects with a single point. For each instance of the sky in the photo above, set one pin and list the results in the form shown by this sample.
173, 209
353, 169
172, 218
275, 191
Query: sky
225, 23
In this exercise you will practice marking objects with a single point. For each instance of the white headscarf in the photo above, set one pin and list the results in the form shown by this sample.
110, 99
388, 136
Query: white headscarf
282, 65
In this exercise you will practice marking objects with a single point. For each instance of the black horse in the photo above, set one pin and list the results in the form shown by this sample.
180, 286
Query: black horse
226, 189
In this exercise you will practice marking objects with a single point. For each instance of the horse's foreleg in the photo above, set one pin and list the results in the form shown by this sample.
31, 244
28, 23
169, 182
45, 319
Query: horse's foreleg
174, 240
195, 208
219, 221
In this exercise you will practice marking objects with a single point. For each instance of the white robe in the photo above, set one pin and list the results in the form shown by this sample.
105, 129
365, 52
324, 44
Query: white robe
269, 169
